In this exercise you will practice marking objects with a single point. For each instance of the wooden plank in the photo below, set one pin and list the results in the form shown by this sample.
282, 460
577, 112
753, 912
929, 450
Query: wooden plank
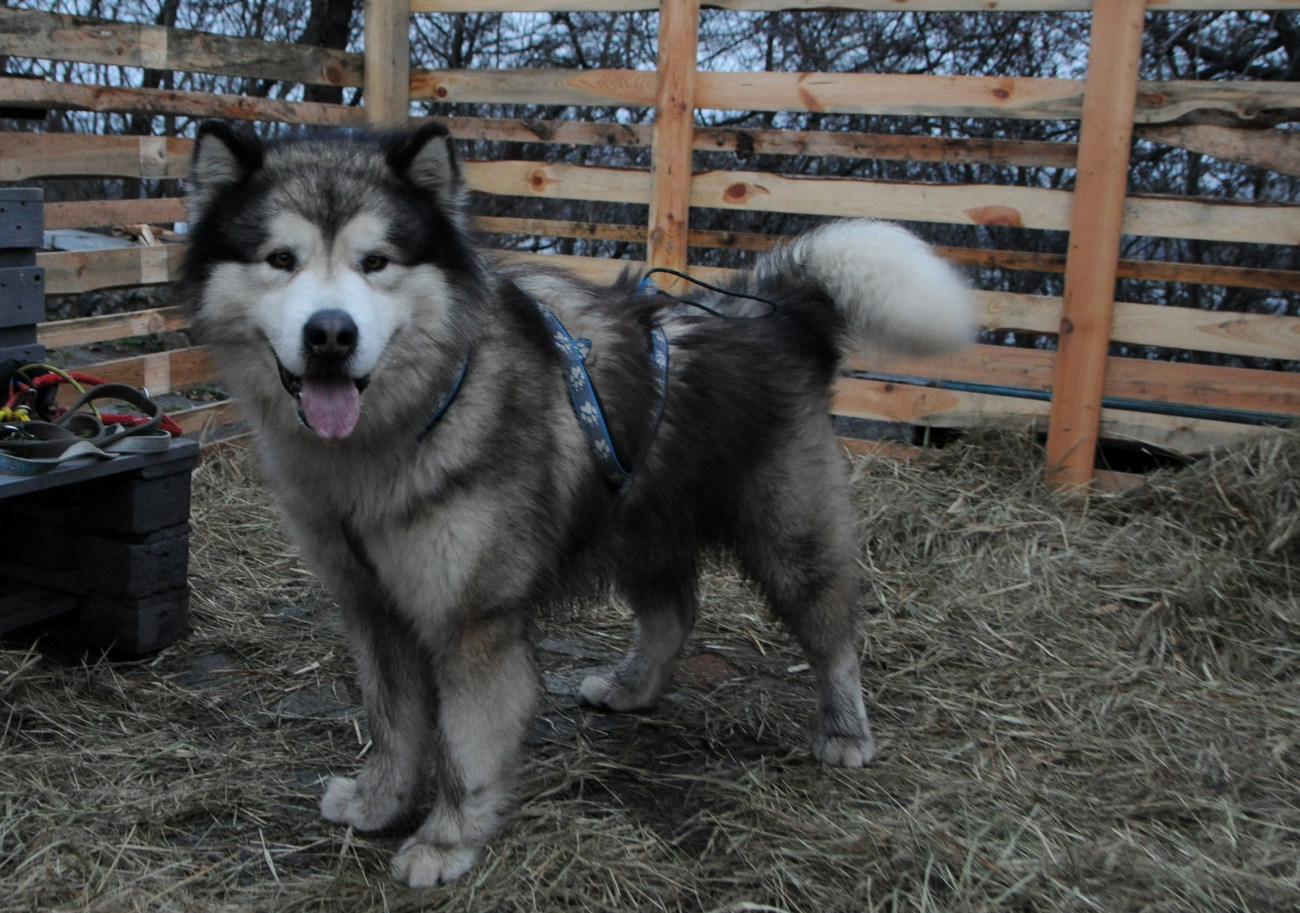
567, 182
894, 402
1212, 220
560, 132
158, 371
26, 156
670, 169
1222, 332
888, 146
986, 96
894, 94
1146, 270
633, 88
1225, 332
1271, 148
57, 36
35, 93
387, 92
747, 142
1026, 207
82, 331
1095, 226
974, 204
1244, 102
99, 213
1210, 386
74, 272
556, 228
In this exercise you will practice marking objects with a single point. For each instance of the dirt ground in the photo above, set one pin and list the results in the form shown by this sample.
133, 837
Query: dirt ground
1077, 709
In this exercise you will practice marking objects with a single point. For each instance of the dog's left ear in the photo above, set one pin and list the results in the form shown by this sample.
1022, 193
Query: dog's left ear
425, 157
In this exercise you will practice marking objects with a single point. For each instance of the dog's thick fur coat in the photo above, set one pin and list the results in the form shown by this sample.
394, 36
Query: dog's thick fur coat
335, 283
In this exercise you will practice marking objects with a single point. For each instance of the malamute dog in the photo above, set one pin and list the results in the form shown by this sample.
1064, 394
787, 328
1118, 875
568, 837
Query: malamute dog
454, 442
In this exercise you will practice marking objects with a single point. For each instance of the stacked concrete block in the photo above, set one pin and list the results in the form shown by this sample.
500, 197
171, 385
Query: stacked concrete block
94, 552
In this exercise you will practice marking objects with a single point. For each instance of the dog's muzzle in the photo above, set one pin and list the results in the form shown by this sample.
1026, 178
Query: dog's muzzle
329, 397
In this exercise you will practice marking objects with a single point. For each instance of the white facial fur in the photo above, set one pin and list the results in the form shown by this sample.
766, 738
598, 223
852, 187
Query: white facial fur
327, 275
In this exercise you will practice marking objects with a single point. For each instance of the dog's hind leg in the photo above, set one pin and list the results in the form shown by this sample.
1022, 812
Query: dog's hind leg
393, 674
797, 542
487, 691
664, 606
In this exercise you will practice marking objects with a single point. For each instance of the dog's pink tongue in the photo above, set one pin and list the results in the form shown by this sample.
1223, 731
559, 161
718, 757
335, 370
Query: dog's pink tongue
331, 405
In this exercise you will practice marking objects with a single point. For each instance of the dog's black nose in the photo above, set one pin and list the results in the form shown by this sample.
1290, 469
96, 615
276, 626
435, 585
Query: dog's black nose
330, 334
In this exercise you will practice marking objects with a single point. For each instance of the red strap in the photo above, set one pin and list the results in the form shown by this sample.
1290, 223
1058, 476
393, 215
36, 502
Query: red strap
53, 380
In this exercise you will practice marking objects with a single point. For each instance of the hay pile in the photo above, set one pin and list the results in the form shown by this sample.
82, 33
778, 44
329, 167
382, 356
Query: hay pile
1076, 710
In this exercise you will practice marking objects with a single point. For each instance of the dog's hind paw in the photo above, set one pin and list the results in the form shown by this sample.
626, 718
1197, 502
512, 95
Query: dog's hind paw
423, 865
845, 751
607, 693
345, 803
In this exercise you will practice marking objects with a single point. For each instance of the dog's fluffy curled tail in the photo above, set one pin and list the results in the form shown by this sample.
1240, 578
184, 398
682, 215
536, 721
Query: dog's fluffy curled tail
892, 291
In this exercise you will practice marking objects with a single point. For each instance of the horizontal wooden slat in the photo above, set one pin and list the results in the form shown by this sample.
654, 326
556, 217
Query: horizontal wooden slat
1228, 333
98, 213
1029, 153
895, 402
1258, 335
634, 88
82, 331
1210, 386
73, 272
892, 93
56, 36
35, 93
1272, 148
159, 371
893, 147
907, 95
1024, 207
566, 182
24, 156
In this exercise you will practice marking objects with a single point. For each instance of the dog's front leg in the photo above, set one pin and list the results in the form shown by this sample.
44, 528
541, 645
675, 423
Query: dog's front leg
487, 693
393, 672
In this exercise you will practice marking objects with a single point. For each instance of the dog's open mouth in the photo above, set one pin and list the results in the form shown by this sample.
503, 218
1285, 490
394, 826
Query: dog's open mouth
329, 404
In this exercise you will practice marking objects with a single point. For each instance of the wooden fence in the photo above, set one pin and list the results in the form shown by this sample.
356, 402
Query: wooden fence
1077, 393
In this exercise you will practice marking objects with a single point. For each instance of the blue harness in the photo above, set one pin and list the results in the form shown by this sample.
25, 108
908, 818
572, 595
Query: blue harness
591, 418
582, 394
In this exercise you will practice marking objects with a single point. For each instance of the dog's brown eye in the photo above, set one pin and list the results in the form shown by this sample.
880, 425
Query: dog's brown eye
373, 263
281, 259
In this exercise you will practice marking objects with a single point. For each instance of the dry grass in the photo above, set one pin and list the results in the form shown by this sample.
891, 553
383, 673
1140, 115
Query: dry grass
1077, 710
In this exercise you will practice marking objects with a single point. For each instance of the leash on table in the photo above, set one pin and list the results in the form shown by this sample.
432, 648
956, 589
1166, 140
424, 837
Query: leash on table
36, 435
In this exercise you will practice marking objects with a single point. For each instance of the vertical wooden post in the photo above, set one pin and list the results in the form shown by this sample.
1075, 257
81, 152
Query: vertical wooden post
1110, 97
387, 88
674, 133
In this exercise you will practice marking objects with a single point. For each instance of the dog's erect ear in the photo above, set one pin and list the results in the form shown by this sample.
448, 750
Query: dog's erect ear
425, 157
223, 158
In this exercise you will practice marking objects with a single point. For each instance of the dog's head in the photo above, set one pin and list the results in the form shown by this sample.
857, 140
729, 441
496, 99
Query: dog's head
327, 251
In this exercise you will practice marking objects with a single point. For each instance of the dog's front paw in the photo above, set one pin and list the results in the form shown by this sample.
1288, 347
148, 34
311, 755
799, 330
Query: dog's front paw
345, 802
844, 750
424, 865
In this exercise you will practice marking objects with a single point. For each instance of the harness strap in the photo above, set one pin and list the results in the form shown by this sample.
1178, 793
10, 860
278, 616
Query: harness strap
582, 395
586, 405
446, 402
